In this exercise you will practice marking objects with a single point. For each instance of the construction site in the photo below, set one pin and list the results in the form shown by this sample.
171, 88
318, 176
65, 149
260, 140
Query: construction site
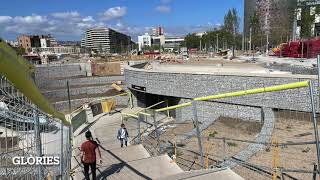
202, 118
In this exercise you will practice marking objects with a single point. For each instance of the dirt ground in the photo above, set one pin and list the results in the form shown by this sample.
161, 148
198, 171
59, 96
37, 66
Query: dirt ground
290, 127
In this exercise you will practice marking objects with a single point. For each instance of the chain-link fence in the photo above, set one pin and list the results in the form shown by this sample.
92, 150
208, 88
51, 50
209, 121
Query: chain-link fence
33, 144
256, 142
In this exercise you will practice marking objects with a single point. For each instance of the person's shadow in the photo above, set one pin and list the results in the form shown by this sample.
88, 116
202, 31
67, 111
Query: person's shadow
114, 168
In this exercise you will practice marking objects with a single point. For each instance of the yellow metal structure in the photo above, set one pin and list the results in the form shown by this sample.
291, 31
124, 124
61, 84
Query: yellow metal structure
241, 93
275, 159
116, 87
207, 144
18, 71
174, 157
108, 105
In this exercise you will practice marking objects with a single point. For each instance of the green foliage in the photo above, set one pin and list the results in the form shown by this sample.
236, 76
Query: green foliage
232, 21
151, 48
213, 134
307, 20
192, 41
232, 144
228, 35
256, 32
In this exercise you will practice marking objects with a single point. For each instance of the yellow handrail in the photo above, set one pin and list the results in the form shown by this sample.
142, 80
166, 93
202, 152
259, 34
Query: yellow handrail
241, 93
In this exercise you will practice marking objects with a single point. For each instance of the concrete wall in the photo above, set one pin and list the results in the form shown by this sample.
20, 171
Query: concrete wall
188, 85
295, 69
87, 81
62, 70
207, 110
63, 93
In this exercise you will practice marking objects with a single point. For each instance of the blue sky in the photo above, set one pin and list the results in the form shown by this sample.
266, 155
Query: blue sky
67, 19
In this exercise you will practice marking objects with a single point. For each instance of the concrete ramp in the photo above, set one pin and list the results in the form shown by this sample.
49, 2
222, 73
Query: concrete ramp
130, 153
211, 174
149, 168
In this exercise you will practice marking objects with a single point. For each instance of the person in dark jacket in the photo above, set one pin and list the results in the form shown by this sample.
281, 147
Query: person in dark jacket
123, 135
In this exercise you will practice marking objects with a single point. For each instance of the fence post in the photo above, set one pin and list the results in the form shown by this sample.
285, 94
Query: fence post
315, 125
275, 159
195, 119
156, 129
37, 139
61, 152
207, 154
318, 68
315, 170
224, 149
138, 139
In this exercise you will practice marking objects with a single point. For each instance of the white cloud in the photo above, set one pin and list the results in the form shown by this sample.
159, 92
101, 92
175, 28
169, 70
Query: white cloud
33, 19
114, 13
163, 9
60, 24
88, 19
63, 15
5, 19
71, 25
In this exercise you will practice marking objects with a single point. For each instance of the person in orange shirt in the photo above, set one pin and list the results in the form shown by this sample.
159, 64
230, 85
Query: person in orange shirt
89, 151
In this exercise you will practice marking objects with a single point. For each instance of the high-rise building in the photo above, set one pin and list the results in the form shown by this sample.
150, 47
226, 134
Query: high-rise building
106, 40
307, 19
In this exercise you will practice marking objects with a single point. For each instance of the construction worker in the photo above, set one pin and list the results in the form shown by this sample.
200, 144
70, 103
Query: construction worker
123, 135
89, 150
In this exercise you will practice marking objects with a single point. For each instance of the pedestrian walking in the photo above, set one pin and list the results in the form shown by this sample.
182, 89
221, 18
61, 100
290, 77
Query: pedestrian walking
123, 135
89, 152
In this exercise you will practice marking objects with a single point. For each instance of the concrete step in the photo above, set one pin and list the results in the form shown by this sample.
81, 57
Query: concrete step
210, 174
148, 168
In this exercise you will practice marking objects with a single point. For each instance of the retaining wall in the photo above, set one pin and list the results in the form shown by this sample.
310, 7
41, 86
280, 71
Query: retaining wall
63, 93
191, 85
62, 70
84, 81
295, 69
206, 111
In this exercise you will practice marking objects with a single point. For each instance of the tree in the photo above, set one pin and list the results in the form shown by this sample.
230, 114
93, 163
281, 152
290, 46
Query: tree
232, 21
256, 32
192, 41
231, 27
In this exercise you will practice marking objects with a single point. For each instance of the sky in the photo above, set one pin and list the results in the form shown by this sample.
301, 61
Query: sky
68, 19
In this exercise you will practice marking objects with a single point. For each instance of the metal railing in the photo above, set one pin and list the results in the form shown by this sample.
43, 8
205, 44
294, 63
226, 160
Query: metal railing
28, 132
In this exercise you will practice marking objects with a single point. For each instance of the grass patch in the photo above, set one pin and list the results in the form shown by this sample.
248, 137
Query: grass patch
232, 144
213, 134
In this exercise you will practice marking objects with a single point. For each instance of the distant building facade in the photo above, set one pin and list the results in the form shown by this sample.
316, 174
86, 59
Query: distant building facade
172, 43
158, 38
35, 41
106, 40
57, 50
144, 40
307, 19
24, 41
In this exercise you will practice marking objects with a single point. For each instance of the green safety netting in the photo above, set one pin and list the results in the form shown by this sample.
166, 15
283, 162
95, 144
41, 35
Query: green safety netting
18, 71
